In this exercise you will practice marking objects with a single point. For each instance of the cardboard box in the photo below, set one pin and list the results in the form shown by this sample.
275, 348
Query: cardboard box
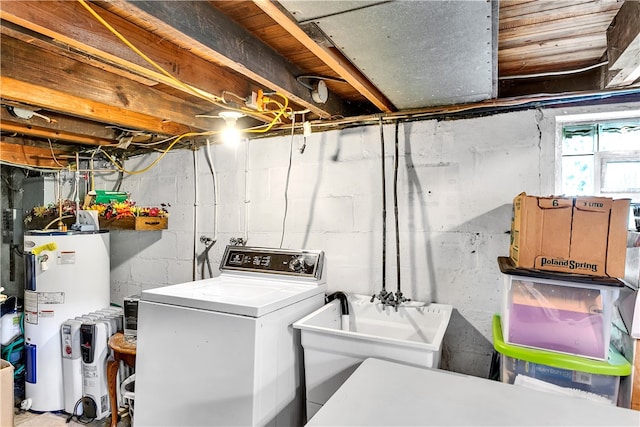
6, 394
581, 235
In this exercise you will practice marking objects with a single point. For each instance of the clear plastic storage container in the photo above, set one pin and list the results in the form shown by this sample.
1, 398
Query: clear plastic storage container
562, 316
599, 377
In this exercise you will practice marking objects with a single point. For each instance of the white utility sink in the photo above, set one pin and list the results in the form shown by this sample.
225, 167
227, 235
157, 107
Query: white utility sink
412, 335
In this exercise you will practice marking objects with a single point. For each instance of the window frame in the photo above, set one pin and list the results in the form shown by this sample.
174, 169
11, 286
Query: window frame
600, 158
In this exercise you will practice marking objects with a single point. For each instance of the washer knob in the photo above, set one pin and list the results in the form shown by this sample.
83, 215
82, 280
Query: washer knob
297, 264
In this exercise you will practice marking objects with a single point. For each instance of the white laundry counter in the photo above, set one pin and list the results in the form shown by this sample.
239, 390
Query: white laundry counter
381, 393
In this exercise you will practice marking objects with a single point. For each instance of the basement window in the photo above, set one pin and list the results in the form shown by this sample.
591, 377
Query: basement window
601, 158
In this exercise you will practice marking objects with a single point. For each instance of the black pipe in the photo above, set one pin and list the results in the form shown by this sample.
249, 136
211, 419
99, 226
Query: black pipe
344, 306
395, 206
384, 212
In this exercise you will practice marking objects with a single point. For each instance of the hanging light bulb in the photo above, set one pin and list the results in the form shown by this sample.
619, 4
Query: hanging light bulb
230, 134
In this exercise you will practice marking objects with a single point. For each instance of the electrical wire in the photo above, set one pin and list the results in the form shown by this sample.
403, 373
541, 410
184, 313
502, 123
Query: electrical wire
53, 156
214, 99
224, 92
164, 152
286, 185
554, 73
308, 86
282, 111
216, 198
46, 227
200, 94
149, 144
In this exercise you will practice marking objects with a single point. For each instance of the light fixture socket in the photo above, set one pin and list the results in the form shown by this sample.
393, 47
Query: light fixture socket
230, 117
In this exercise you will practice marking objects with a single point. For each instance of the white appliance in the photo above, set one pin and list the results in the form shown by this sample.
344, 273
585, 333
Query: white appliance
71, 366
95, 350
384, 393
72, 373
66, 275
223, 351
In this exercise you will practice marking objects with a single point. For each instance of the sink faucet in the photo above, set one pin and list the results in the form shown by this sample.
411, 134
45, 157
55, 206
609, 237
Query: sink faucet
383, 296
388, 298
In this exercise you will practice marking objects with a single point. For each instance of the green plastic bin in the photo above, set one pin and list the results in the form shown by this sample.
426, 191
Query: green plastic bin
600, 377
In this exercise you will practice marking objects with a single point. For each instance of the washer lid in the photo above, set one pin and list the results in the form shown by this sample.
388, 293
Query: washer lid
252, 297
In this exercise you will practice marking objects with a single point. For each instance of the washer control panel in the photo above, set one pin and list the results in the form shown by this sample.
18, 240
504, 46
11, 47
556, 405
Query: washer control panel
276, 261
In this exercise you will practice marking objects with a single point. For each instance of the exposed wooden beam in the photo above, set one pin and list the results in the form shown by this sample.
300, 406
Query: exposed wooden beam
549, 31
32, 64
68, 23
56, 100
337, 63
43, 132
623, 45
576, 43
25, 155
208, 33
542, 11
61, 123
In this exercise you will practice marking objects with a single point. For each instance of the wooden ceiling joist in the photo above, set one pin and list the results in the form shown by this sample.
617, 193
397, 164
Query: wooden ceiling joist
70, 24
220, 40
623, 40
46, 133
36, 157
56, 100
32, 64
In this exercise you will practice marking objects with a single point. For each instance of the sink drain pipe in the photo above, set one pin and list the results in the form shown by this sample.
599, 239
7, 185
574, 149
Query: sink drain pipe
344, 308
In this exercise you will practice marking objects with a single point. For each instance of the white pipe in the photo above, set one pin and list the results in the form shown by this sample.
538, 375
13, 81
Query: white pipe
77, 189
195, 216
216, 198
59, 187
344, 322
246, 191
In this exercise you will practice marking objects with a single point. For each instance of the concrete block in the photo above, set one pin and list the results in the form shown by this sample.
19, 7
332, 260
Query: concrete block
353, 249
150, 271
180, 271
367, 213
328, 214
260, 185
266, 216
154, 191
120, 272
157, 245
184, 190
225, 157
181, 218
269, 152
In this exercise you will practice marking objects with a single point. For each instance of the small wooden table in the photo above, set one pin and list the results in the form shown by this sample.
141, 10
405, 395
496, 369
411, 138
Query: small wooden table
125, 351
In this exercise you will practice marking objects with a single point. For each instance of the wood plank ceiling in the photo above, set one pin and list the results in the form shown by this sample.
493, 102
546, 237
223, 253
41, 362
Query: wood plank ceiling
70, 83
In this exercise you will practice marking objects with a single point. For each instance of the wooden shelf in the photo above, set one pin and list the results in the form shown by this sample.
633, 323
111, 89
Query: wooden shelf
139, 223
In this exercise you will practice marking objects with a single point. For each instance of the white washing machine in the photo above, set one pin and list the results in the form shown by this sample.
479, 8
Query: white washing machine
223, 351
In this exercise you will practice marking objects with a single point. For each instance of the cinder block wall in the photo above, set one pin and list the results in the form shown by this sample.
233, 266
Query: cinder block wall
456, 182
